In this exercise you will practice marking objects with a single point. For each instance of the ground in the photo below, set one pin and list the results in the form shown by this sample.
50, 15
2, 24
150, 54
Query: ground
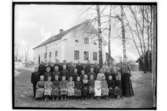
142, 85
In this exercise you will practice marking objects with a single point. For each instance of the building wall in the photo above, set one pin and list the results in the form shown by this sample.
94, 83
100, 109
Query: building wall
66, 46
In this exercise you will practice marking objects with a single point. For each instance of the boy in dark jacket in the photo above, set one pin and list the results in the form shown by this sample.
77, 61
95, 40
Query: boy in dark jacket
34, 79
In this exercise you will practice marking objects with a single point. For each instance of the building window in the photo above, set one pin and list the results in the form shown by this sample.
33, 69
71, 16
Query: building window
94, 56
50, 54
56, 53
76, 55
86, 55
86, 40
45, 55
76, 41
94, 43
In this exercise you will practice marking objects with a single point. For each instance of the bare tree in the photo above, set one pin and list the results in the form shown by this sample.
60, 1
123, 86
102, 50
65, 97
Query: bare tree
99, 35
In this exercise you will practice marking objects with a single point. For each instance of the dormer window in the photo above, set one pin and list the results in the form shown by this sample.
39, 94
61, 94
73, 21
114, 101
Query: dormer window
86, 40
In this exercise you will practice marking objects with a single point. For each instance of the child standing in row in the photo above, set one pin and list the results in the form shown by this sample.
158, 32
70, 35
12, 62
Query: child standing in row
48, 88
78, 87
70, 87
63, 88
55, 87
40, 88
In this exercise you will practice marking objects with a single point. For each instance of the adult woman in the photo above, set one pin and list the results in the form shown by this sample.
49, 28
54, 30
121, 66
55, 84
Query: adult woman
127, 89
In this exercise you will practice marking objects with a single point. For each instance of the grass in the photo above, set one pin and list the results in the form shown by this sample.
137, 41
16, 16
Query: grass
142, 85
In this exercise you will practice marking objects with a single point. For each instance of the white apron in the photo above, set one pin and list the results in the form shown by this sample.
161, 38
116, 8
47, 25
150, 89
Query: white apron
97, 88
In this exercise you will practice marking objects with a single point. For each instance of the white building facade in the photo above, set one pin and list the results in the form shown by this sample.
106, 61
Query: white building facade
77, 45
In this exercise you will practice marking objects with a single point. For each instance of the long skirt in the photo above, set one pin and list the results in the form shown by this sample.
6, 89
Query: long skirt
55, 92
70, 91
77, 92
63, 91
91, 90
39, 93
104, 91
85, 91
111, 92
117, 91
48, 92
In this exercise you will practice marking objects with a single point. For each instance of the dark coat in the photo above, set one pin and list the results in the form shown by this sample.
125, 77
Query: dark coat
78, 85
111, 83
127, 89
79, 68
46, 75
55, 73
64, 73
41, 69
35, 78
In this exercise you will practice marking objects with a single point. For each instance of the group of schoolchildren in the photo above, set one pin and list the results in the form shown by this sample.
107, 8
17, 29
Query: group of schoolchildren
59, 85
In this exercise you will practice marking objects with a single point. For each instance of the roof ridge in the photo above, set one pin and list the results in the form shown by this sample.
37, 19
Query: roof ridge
60, 34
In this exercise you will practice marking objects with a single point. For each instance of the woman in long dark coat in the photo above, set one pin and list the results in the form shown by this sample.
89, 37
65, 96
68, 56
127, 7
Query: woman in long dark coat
127, 89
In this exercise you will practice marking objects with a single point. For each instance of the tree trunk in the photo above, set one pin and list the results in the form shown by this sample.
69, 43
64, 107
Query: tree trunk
123, 36
99, 36
109, 41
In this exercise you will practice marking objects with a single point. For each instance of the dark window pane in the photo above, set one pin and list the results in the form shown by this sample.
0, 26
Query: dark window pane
76, 55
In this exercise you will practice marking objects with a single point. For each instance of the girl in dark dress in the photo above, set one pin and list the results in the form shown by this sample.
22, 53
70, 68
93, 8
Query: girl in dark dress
65, 72
92, 73
127, 89
78, 87
55, 72
63, 88
55, 88
85, 87
47, 73
111, 86
118, 86
91, 86
127, 85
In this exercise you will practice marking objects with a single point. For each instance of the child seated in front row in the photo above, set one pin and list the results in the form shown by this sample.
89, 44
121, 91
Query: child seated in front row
111, 86
117, 90
85, 87
78, 87
104, 87
48, 88
55, 88
63, 88
97, 88
40, 88
70, 87
91, 86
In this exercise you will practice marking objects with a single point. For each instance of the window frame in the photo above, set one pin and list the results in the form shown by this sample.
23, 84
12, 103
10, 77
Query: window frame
76, 55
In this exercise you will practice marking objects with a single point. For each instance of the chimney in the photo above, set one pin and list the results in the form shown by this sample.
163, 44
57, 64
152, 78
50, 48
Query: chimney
61, 30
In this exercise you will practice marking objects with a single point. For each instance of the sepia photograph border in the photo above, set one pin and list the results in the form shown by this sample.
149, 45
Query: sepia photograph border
85, 3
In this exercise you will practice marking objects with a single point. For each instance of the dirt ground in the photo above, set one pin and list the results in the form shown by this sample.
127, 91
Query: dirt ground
142, 85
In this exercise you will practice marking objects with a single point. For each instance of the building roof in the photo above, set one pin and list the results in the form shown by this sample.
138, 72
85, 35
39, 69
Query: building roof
60, 35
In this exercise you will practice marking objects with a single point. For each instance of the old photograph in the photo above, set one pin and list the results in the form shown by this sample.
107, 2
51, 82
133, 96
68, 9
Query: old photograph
84, 55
